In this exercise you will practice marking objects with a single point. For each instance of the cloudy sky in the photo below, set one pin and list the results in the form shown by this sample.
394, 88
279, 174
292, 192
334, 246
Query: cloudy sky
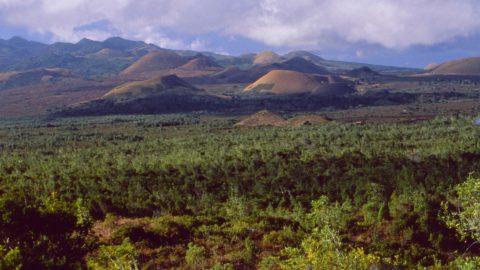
395, 32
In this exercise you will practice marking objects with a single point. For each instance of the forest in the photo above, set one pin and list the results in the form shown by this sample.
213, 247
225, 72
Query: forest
190, 191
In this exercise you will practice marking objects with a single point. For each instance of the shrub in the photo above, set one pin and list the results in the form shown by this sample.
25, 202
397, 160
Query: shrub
467, 219
462, 263
285, 237
195, 256
322, 251
173, 230
10, 259
325, 214
44, 236
122, 257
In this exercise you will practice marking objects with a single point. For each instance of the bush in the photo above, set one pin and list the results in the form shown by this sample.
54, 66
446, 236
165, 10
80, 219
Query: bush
285, 237
467, 219
322, 251
325, 214
44, 236
173, 229
462, 263
195, 256
227, 266
123, 257
10, 259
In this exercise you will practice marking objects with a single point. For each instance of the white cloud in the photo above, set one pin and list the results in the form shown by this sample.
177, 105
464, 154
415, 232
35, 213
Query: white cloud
301, 23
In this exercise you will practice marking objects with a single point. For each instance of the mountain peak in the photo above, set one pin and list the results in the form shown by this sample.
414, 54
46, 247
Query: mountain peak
86, 40
17, 39
305, 55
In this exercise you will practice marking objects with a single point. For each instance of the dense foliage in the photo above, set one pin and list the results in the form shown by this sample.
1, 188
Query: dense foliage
189, 191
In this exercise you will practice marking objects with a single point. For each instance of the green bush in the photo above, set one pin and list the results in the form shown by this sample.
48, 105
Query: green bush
173, 229
469, 263
10, 259
285, 237
323, 250
116, 257
46, 236
374, 210
466, 220
227, 266
195, 256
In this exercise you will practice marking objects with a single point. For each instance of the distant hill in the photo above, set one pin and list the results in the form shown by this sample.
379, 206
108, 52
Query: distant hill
363, 72
17, 45
431, 66
305, 55
169, 62
35, 76
261, 119
335, 66
237, 75
154, 62
299, 64
164, 94
466, 66
113, 55
266, 58
241, 61
109, 53
149, 88
292, 82
86, 57
86, 47
201, 63
267, 118
16, 48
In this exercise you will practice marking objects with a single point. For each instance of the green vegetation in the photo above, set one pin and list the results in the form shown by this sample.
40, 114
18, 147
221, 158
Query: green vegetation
191, 192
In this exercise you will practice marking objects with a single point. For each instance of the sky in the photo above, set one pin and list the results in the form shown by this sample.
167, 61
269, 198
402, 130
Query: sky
410, 33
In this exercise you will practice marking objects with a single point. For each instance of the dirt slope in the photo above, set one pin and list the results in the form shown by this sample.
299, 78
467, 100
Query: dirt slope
266, 58
292, 82
154, 62
466, 66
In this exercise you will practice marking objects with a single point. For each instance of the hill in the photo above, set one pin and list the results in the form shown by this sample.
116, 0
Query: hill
154, 62
431, 66
466, 66
111, 56
236, 75
109, 53
148, 88
35, 76
16, 48
262, 118
268, 118
363, 72
305, 55
201, 63
292, 82
266, 58
164, 94
86, 47
86, 57
299, 64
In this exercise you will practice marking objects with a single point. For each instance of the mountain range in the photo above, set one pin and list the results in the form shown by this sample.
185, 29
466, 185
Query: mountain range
112, 56
76, 78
